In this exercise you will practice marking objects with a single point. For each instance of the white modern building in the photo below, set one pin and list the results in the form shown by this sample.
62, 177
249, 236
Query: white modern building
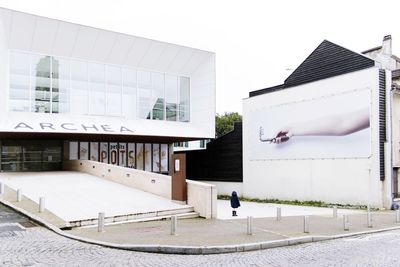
69, 91
329, 133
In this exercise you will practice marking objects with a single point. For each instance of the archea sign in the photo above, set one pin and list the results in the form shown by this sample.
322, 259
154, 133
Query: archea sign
71, 127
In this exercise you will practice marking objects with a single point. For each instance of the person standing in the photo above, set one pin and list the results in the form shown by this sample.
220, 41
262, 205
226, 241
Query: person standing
235, 203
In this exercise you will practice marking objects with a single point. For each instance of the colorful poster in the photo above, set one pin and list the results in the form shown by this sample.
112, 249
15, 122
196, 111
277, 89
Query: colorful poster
94, 151
122, 154
164, 158
156, 158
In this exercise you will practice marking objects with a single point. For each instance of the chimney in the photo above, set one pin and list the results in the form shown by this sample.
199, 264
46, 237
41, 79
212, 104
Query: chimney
387, 45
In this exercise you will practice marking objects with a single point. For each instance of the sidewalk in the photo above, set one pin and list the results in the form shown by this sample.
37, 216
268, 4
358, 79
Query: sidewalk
201, 236
201, 232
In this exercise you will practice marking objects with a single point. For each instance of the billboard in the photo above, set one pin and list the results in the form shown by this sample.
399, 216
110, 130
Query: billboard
333, 126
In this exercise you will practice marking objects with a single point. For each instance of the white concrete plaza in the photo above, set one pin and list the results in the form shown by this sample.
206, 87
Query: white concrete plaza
76, 196
260, 210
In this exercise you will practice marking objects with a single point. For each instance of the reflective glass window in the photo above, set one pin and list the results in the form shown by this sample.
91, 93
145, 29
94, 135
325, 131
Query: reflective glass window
158, 96
114, 90
79, 96
19, 82
60, 85
73, 150
184, 99
144, 94
40, 79
129, 93
97, 89
104, 152
171, 97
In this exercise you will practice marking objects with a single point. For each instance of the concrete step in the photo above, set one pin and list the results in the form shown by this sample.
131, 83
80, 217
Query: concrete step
152, 216
189, 215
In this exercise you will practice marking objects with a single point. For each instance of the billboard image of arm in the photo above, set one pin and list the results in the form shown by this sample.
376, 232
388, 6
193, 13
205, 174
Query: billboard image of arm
336, 126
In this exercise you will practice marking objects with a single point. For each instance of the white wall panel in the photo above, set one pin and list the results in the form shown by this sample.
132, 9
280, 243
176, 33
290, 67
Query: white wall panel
152, 54
85, 42
346, 181
121, 48
166, 58
22, 39
65, 39
180, 60
44, 35
137, 51
103, 46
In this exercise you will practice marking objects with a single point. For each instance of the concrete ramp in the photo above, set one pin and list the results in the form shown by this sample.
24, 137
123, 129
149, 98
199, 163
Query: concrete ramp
78, 197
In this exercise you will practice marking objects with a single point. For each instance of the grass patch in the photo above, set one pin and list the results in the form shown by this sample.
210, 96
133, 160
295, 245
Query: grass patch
310, 203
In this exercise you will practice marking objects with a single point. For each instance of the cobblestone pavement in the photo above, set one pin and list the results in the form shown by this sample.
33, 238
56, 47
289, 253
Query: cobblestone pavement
39, 247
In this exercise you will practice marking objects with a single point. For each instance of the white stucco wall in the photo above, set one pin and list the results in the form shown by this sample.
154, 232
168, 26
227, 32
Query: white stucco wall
334, 180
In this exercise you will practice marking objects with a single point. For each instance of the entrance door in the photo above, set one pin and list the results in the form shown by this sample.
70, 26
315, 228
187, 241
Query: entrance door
31, 155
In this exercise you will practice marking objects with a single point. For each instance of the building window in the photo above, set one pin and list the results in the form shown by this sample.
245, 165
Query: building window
46, 84
171, 96
184, 99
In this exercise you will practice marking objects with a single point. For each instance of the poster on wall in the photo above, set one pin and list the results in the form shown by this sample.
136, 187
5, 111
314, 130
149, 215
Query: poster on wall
122, 154
94, 151
139, 156
164, 158
147, 153
131, 155
104, 152
335, 126
84, 150
114, 153
156, 158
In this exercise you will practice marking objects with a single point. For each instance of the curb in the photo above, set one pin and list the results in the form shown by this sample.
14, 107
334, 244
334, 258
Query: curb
193, 250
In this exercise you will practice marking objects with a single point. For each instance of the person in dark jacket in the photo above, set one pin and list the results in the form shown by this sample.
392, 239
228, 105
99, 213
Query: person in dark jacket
235, 203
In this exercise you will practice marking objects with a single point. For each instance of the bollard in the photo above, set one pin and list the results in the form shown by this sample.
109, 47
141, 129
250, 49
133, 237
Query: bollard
41, 204
306, 224
174, 224
249, 225
19, 195
1, 188
278, 214
345, 222
100, 226
397, 216
369, 219
334, 212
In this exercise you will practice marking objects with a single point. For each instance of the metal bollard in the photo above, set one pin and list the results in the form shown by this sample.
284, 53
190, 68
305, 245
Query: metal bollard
1, 188
397, 216
306, 224
369, 219
334, 212
345, 222
100, 226
19, 195
41, 204
174, 224
278, 214
249, 225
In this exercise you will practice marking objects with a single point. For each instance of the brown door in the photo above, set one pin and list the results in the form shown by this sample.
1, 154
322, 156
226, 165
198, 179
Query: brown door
179, 191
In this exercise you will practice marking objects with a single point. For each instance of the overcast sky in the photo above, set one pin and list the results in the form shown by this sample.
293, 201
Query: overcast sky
257, 43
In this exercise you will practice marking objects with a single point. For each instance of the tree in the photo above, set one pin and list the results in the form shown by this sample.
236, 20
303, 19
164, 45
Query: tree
224, 123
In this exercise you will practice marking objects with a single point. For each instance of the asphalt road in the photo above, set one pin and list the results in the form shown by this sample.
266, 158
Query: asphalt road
37, 246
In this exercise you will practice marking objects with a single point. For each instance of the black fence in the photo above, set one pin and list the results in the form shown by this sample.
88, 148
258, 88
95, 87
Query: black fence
220, 161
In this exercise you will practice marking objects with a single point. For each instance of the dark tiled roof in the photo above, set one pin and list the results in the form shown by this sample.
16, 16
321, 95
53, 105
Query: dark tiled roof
327, 60
396, 73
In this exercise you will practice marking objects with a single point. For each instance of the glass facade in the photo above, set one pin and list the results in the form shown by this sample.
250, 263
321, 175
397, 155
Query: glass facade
148, 157
47, 84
